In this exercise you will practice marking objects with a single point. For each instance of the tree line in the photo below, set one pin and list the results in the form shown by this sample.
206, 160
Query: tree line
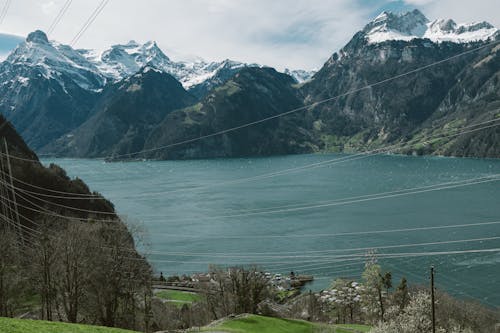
79, 272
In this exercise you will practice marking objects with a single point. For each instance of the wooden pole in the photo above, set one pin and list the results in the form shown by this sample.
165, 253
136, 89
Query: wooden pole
17, 221
433, 301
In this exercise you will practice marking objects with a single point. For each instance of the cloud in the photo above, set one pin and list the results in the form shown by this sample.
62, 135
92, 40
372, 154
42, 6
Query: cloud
419, 2
461, 10
48, 7
280, 33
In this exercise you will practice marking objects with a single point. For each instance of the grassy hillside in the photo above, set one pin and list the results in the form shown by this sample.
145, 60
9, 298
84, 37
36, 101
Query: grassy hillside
260, 324
178, 298
9, 325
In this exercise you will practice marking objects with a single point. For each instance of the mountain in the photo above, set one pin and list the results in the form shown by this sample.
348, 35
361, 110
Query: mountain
473, 99
198, 77
300, 75
47, 89
404, 108
80, 103
414, 24
252, 94
29, 174
124, 116
411, 110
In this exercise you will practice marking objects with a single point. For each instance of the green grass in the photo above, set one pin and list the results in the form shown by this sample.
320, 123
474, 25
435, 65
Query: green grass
178, 298
178, 295
260, 324
350, 328
9, 325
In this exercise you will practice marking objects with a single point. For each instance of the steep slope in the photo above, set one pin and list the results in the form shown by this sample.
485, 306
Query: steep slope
124, 116
474, 99
395, 110
49, 89
30, 175
46, 89
251, 95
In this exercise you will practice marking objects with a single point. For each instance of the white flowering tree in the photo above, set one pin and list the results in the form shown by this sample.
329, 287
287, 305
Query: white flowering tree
342, 300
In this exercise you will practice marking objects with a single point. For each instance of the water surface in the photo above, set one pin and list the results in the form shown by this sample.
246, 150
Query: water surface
199, 212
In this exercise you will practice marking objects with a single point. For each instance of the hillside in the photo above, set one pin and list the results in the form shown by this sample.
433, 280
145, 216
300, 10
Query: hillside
47, 90
261, 324
462, 92
64, 251
251, 95
30, 175
124, 116
401, 79
9, 325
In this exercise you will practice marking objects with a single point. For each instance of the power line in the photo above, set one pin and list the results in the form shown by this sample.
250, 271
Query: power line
328, 235
59, 16
299, 109
336, 160
4, 11
65, 206
340, 203
75, 195
329, 251
302, 108
276, 173
259, 211
48, 212
252, 212
89, 22
320, 254
265, 211
396, 255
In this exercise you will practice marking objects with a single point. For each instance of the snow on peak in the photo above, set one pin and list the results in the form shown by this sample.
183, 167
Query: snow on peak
300, 75
53, 61
123, 60
413, 24
388, 26
92, 70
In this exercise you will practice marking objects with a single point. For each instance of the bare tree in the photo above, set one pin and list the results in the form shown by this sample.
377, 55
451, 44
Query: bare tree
44, 255
117, 278
73, 246
11, 273
236, 290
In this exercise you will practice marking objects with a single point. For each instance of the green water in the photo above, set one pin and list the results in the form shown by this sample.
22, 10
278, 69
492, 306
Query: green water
195, 214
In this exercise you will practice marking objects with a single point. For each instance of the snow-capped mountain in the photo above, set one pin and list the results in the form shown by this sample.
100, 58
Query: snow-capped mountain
300, 75
47, 88
123, 60
414, 24
53, 61
92, 70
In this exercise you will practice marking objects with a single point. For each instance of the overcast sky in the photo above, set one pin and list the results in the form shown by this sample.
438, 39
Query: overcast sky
279, 33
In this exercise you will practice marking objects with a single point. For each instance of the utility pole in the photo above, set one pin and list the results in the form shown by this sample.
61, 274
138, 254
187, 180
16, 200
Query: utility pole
18, 222
433, 302
4, 204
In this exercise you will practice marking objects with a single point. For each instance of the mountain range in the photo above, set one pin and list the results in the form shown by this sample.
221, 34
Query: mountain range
133, 97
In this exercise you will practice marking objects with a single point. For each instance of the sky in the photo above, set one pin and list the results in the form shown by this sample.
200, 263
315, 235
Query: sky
296, 34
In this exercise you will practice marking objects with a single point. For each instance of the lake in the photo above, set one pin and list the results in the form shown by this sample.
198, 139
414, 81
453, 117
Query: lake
320, 217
